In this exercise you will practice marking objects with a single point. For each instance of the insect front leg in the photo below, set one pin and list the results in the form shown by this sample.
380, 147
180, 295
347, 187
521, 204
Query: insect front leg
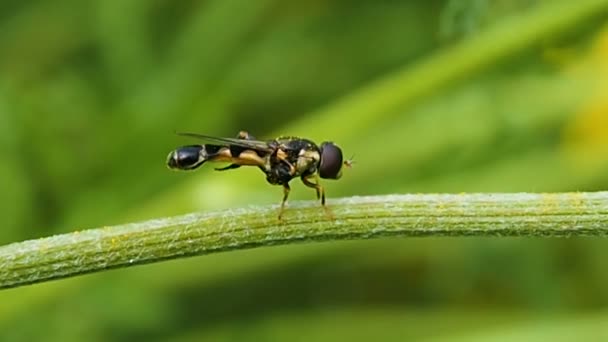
320, 193
317, 187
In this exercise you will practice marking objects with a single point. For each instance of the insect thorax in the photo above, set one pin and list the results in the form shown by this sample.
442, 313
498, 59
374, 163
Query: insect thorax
294, 157
307, 162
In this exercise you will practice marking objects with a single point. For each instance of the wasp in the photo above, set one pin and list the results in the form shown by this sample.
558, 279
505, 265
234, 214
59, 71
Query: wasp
281, 159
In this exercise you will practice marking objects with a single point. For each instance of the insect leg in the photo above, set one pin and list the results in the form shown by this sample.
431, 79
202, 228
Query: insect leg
316, 186
229, 167
286, 190
245, 136
282, 156
320, 193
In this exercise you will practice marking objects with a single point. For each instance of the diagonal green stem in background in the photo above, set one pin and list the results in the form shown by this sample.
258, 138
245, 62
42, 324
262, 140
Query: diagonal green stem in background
400, 89
550, 215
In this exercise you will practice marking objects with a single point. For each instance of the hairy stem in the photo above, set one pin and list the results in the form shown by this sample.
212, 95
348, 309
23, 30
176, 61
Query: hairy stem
549, 215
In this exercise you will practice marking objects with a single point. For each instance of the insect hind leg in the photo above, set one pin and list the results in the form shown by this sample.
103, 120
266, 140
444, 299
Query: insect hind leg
229, 167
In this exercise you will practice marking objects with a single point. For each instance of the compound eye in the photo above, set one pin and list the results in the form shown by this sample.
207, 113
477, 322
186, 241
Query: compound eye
331, 161
185, 158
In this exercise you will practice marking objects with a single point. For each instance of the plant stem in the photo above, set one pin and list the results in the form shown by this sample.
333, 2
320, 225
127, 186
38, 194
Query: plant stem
66, 255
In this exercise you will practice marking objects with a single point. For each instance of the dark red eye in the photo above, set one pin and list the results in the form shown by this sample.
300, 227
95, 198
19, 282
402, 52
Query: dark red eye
331, 161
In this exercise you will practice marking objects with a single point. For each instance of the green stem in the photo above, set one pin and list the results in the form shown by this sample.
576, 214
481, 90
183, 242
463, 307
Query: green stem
66, 255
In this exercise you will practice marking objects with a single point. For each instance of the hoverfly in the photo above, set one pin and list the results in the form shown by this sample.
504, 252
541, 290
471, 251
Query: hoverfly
281, 159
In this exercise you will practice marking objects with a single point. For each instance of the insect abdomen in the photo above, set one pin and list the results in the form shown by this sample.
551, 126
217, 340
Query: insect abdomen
188, 157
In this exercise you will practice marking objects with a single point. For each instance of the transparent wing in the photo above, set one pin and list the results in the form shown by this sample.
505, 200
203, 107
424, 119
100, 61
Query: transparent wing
252, 144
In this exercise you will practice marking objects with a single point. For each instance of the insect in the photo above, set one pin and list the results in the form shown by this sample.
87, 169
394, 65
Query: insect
281, 159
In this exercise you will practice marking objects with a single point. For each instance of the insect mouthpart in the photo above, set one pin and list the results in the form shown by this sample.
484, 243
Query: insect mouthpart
186, 158
349, 162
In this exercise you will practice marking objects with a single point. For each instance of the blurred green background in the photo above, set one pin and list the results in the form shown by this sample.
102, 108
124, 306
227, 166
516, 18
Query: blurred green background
430, 96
